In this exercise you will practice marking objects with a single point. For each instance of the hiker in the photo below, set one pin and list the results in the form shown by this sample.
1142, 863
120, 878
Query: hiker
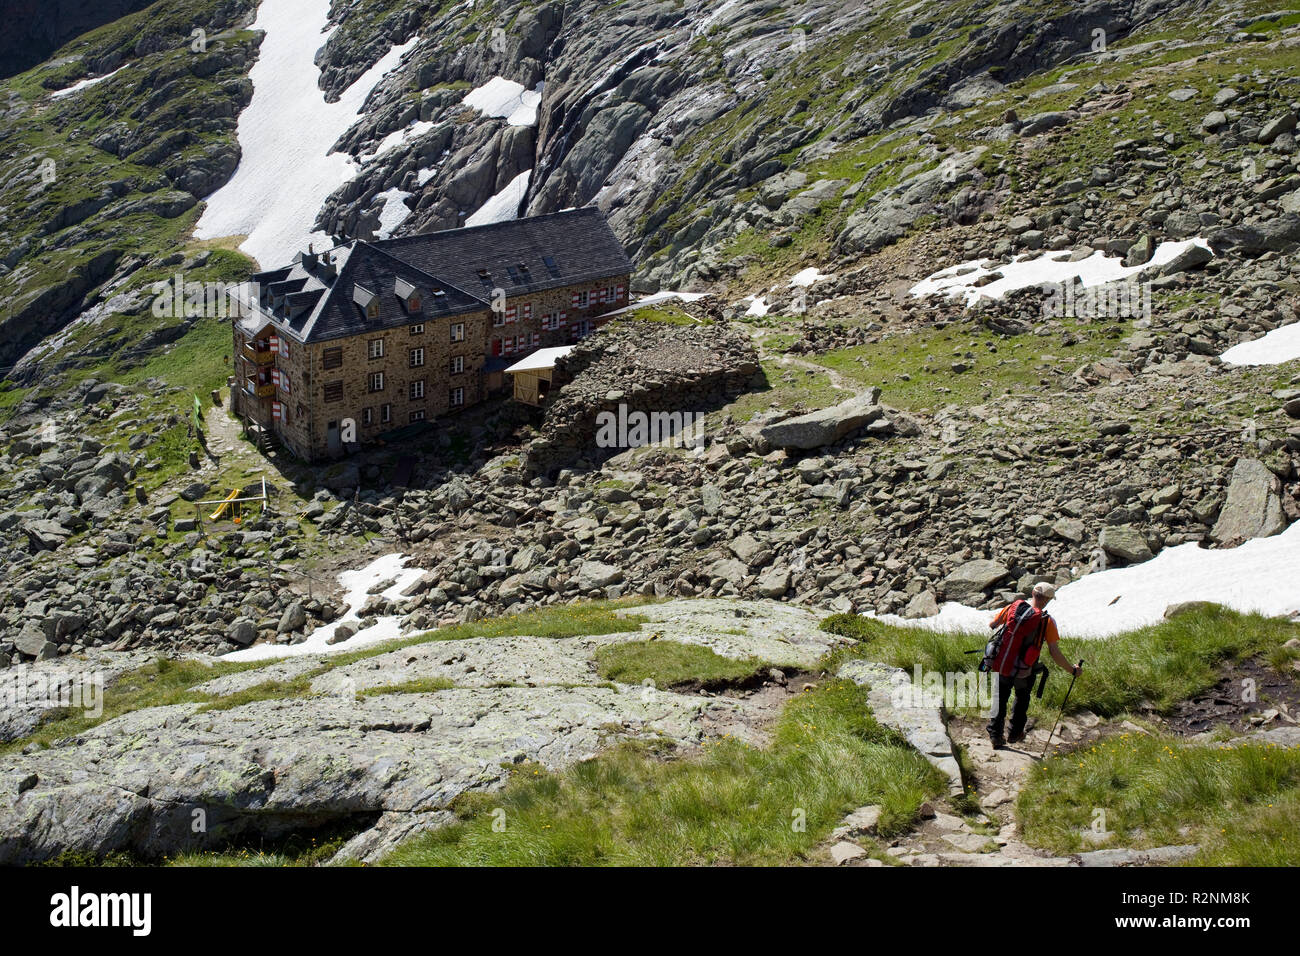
1026, 625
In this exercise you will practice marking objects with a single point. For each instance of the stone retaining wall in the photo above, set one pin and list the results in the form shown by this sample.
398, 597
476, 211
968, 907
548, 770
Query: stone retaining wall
629, 371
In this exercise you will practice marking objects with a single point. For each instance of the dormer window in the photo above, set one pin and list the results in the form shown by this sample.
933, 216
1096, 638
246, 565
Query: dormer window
409, 295
367, 301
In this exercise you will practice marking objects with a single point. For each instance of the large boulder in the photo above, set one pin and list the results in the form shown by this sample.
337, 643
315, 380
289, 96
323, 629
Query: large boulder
972, 579
594, 574
1253, 508
242, 631
1192, 257
293, 618
44, 534
1126, 543
824, 427
1278, 234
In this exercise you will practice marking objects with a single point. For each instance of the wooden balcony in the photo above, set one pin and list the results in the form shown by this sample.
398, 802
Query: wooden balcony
258, 357
261, 391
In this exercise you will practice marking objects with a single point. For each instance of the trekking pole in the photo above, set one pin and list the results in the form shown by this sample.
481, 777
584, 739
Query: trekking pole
1063, 703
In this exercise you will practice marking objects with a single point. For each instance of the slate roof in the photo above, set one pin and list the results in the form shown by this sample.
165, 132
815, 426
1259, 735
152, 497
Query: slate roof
454, 271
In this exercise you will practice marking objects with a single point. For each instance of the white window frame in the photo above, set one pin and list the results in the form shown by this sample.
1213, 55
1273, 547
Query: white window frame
375, 376
458, 332
385, 413
375, 348
417, 329
417, 415
457, 364
457, 397
368, 416
416, 391
417, 358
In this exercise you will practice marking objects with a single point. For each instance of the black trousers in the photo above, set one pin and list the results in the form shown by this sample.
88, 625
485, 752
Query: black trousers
1023, 686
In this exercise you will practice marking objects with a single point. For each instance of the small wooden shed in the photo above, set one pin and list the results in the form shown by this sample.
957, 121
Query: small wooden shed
532, 375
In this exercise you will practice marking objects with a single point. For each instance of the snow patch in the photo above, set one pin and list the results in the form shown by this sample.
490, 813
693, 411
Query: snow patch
666, 296
357, 584
285, 133
1258, 576
505, 99
394, 213
399, 137
1275, 347
809, 276
1047, 269
757, 305
78, 87
505, 204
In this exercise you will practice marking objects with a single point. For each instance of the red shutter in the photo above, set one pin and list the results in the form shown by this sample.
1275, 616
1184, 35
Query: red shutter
284, 347
537, 340
275, 376
510, 313
564, 319
575, 300
275, 343
284, 382
496, 346
619, 291
277, 411
528, 310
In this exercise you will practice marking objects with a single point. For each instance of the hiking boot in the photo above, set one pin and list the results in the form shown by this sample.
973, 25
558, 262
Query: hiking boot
997, 742
1016, 736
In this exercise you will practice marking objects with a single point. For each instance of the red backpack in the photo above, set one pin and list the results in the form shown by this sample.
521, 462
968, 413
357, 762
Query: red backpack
1016, 644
